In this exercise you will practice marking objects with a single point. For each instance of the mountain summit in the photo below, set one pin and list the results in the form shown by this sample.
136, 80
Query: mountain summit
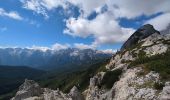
140, 34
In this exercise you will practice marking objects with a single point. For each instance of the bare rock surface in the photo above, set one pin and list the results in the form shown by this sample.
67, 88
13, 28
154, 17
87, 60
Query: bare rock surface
28, 89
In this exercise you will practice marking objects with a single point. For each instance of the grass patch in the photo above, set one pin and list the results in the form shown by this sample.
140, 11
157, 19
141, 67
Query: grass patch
80, 79
159, 63
110, 78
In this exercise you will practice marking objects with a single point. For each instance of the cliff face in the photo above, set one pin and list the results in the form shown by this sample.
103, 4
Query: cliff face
141, 70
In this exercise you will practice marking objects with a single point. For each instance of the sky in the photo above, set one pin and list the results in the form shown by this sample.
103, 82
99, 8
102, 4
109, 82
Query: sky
83, 24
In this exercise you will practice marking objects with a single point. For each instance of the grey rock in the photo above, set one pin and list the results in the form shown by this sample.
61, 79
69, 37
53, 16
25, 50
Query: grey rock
75, 94
165, 94
140, 34
28, 89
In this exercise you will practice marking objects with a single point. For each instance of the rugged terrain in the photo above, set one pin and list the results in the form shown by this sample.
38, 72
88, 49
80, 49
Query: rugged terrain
139, 71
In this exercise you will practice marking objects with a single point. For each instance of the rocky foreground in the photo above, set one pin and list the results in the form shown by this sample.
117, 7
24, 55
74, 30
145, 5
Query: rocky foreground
137, 81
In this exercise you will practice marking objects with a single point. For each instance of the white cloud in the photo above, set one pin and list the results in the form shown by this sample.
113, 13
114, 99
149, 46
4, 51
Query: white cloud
42, 6
104, 28
34, 47
120, 8
51, 4
88, 6
36, 6
109, 51
84, 46
134, 8
123, 8
11, 14
58, 46
160, 22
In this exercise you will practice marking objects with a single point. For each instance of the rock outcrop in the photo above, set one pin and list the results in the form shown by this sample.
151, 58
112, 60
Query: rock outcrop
140, 34
31, 90
75, 94
28, 89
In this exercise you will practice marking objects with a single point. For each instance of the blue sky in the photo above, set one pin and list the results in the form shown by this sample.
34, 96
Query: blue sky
75, 23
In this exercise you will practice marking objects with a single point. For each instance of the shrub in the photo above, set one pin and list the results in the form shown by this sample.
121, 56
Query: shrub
159, 63
110, 78
158, 86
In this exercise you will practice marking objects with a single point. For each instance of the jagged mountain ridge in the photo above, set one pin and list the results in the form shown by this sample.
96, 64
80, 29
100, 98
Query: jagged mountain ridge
140, 70
50, 59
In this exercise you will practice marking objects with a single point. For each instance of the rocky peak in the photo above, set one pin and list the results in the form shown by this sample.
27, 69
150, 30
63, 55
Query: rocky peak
27, 85
142, 33
75, 94
28, 89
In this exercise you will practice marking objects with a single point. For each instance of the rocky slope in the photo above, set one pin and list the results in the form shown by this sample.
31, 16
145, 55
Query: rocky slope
140, 71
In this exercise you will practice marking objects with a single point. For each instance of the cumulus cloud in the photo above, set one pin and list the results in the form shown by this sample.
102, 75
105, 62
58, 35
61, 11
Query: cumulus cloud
58, 46
11, 14
88, 6
104, 28
35, 5
160, 22
109, 51
34, 47
41, 6
84, 46
133, 8
121, 8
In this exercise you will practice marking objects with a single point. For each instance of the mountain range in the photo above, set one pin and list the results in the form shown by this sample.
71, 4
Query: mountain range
50, 59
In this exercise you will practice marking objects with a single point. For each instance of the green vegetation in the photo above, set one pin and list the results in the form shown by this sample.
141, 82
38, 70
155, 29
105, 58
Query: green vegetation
166, 42
11, 77
7, 96
81, 79
159, 63
110, 78
159, 86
